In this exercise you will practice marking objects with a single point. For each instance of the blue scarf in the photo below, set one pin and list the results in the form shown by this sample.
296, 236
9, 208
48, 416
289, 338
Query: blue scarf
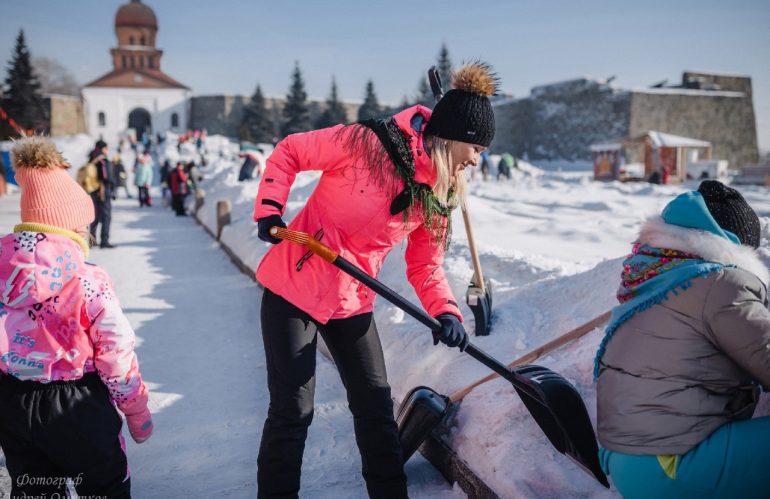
650, 274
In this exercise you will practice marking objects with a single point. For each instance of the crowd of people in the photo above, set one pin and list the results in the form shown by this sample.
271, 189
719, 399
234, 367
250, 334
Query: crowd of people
504, 165
196, 137
103, 176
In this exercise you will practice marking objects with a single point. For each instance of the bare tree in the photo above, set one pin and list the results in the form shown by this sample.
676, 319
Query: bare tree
54, 78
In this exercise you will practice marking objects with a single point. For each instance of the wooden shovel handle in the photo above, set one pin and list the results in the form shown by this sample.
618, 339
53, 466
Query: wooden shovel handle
538, 352
474, 255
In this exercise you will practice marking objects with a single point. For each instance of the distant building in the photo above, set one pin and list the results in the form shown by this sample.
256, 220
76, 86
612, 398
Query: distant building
562, 120
65, 114
222, 114
136, 95
650, 153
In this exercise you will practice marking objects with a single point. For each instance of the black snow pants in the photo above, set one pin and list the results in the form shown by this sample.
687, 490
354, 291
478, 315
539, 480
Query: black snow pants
64, 429
103, 211
290, 338
144, 196
177, 202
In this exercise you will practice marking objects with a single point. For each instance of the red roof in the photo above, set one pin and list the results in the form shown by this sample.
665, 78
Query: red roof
136, 78
136, 13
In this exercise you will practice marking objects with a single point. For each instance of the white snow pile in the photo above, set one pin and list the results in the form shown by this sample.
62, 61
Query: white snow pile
74, 149
552, 244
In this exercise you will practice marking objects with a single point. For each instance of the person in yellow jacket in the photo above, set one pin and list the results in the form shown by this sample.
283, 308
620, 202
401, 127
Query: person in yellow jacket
88, 178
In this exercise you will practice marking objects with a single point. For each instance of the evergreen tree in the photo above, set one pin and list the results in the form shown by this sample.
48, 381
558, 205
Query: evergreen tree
21, 99
257, 123
425, 94
370, 108
296, 113
444, 66
334, 113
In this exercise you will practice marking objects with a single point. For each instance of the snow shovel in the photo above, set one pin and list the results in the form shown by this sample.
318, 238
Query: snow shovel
538, 352
553, 402
479, 294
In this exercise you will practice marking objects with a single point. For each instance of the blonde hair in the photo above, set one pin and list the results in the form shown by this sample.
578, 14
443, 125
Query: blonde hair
449, 188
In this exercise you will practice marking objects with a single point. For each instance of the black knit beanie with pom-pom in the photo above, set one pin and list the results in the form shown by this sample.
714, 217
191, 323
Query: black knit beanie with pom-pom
465, 113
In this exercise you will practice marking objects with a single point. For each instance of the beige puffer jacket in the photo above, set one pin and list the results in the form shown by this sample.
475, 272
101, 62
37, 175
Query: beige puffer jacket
679, 370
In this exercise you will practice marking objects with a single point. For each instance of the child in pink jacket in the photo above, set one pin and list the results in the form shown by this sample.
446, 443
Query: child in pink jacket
66, 349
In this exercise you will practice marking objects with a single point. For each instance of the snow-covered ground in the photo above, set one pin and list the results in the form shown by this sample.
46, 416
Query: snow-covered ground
200, 351
552, 244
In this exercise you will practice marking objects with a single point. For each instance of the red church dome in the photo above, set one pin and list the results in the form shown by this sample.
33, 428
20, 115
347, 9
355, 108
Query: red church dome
136, 13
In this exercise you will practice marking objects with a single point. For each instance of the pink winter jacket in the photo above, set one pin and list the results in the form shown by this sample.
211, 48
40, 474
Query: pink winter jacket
354, 213
60, 318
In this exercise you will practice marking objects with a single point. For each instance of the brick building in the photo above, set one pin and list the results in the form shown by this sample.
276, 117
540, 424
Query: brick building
136, 95
560, 121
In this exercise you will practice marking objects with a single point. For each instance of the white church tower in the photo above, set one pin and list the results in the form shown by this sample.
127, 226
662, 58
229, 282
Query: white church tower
136, 94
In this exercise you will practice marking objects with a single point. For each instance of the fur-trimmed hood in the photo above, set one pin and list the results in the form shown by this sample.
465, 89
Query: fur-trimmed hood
657, 233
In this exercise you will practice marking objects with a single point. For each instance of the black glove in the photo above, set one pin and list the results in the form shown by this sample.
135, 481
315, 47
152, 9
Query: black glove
265, 224
452, 332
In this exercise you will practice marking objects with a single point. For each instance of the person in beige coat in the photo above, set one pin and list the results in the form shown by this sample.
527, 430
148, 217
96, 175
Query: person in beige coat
686, 353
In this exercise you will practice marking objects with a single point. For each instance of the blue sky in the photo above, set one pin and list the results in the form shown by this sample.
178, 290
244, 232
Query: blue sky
228, 46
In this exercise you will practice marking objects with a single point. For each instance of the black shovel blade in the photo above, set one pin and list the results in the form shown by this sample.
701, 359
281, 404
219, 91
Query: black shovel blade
562, 415
554, 403
421, 411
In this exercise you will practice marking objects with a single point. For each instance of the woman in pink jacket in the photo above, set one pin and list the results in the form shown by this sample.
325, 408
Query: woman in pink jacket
66, 349
382, 181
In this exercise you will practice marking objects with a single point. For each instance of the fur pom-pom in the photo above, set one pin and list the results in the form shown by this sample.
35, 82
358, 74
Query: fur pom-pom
476, 77
37, 152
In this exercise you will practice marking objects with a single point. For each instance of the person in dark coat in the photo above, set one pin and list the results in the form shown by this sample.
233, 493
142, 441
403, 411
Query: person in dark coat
247, 168
504, 166
179, 188
103, 197
193, 175
121, 177
165, 173
485, 165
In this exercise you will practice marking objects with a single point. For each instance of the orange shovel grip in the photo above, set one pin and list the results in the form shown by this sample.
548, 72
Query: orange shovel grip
306, 240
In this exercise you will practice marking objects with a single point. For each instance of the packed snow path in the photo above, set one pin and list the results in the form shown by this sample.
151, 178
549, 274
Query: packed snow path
200, 351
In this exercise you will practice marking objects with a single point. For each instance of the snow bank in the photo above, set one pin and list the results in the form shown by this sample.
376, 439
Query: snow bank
75, 149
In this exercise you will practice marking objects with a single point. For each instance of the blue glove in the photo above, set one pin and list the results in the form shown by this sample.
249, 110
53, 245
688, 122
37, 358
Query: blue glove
452, 333
264, 225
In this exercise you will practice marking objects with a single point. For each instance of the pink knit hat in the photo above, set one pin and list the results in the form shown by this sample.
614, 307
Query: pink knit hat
48, 194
